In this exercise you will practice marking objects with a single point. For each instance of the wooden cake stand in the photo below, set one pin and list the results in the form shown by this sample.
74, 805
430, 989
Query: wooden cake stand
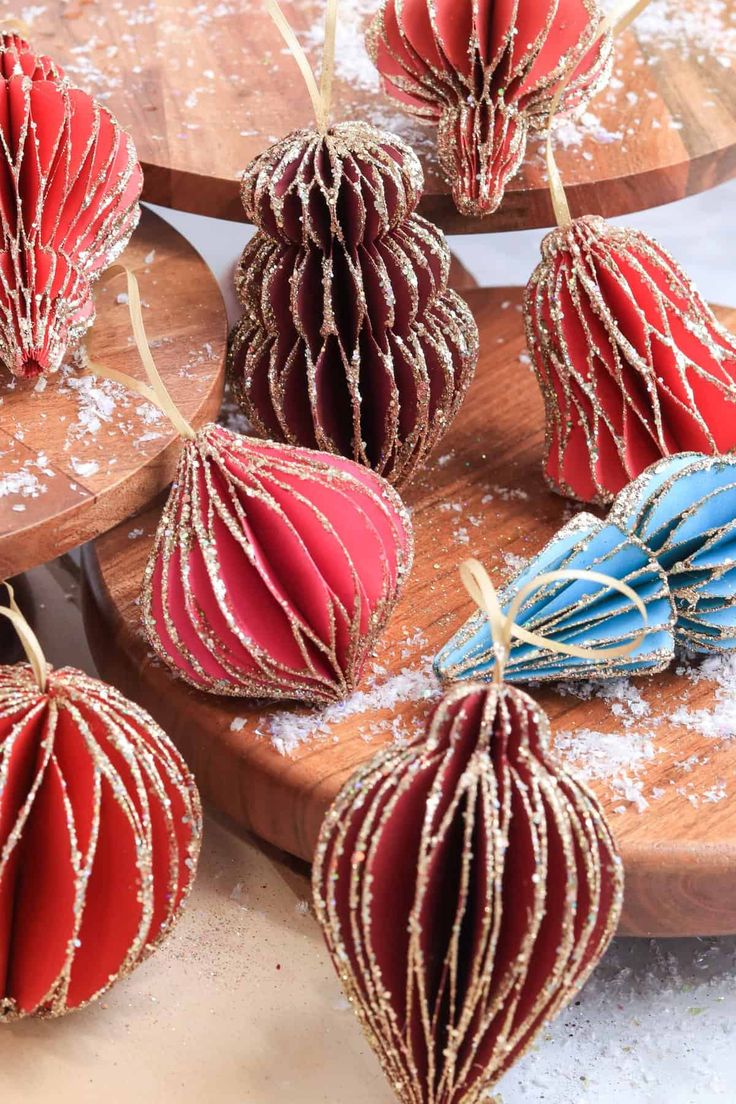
82, 454
651, 748
204, 88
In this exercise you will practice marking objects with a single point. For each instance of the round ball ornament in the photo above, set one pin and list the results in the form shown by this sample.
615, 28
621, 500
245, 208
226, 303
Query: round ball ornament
466, 884
485, 74
69, 189
632, 363
100, 827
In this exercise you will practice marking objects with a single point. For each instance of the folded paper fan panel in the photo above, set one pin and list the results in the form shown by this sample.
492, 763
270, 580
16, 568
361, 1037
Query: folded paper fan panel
100, 826
684, 510
581, 612
466, 885
486, 72
632, 363
274, 569
17, 57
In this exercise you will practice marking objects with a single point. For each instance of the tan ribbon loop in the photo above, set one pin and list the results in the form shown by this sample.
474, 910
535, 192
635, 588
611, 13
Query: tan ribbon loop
13, 24
320, 95
156, 393
615, 22
28, 639
503, 626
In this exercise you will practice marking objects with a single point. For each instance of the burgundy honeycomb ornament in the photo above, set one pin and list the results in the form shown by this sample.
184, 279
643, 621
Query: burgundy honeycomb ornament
466, 884
351, 342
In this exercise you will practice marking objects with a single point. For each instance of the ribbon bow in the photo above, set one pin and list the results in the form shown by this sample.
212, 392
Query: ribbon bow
504, 629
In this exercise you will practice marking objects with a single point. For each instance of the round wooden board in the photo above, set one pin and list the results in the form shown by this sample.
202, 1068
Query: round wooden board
82, 454
670, 807
204, 88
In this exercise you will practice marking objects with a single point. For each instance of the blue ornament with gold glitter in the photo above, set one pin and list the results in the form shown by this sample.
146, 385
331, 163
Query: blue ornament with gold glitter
683, 509
575, 614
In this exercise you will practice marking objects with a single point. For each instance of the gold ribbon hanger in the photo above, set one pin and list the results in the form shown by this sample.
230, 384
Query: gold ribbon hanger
504, 629
320, 95
155, 391
29, 640
614, 23
13, 24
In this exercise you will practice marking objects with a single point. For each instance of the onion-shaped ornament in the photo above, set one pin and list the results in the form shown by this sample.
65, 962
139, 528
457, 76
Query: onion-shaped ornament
69, 189
466, 885
274, 569
486, 73
683, 509
577, 610
632, 363
100, 826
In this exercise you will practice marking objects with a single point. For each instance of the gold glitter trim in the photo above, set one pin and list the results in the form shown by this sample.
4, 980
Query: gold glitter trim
122, 761
239, 534
623, 346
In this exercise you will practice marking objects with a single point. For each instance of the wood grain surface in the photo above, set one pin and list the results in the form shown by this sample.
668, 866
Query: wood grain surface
672, 808
205, 87
81, 455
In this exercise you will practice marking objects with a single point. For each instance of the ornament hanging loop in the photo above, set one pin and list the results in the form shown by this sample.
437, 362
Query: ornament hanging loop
504, 629
614, 23
13, 24
155, 392
320, 95
29, 640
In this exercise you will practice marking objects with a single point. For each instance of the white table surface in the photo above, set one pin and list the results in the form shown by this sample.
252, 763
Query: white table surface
241, 1005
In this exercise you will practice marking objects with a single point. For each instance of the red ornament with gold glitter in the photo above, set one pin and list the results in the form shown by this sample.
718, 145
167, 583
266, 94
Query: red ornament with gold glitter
69, 189
632, 363
485, 73
351, 341
100, 827
466, 885
274, 569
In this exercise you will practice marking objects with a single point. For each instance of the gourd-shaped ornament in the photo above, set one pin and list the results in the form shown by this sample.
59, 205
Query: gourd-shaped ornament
466, 884
69, 188
100, 826
351, 341
485, 73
